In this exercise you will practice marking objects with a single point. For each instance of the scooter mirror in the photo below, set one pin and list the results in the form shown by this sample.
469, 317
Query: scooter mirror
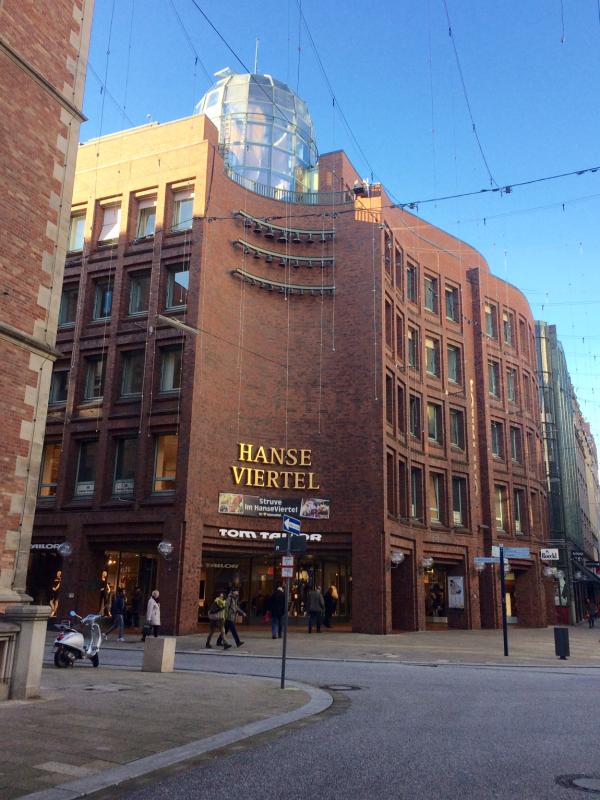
72, 614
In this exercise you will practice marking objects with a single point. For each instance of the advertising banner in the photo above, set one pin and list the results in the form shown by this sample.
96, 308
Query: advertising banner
456, 592
255, 506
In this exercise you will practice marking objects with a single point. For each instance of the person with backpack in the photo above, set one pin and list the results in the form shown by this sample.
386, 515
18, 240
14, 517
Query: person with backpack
232, 611
216, 621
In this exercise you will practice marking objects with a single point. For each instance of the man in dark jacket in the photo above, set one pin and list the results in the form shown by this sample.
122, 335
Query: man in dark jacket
315, 606
117, 610
276, 607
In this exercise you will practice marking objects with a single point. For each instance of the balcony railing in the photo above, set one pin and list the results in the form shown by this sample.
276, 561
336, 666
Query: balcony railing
289, 196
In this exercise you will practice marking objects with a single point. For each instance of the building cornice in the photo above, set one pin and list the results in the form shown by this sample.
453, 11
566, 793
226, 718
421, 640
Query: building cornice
38, 78
27, 342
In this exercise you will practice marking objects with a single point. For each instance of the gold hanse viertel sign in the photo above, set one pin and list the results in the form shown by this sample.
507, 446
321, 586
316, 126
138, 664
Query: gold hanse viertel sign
273, 478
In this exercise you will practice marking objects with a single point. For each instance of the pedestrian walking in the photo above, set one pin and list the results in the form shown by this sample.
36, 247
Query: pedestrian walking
152, 616
117, 610
315, 606
136, 606
232, 612
276, 606
216, 621
331, 598
593, 611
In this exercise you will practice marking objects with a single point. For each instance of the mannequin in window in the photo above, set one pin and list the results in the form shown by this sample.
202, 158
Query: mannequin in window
54, 592
104, 595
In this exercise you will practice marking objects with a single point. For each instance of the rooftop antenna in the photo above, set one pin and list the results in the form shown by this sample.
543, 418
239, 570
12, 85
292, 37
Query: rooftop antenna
256, 55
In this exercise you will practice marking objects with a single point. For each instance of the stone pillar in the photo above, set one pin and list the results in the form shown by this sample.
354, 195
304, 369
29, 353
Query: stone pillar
29, 651
159, 654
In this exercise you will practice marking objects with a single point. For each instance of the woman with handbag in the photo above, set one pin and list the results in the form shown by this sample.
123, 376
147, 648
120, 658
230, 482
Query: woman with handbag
216, 621
152, 616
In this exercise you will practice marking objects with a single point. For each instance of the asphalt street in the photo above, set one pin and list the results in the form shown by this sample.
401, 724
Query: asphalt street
446, 731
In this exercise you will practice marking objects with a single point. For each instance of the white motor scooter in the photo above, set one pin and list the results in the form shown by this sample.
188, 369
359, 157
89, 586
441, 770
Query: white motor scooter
72, 644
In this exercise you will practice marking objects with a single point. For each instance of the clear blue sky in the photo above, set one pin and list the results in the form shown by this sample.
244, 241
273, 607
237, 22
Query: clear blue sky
532, 74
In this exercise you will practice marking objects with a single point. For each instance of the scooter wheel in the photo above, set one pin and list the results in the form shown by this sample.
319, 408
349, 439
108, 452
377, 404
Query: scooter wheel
95, 660
61, 659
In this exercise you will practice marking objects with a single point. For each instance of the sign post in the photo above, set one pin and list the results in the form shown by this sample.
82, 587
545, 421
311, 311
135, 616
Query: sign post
291, 526
503, 593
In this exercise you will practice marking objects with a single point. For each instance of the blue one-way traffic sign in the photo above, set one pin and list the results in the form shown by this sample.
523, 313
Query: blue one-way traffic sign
291, 525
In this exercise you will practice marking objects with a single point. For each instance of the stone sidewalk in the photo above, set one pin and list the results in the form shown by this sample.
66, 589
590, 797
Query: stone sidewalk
88, 722
527, 646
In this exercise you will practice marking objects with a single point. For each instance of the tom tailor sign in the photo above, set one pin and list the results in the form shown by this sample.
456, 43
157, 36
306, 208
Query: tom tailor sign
256, 506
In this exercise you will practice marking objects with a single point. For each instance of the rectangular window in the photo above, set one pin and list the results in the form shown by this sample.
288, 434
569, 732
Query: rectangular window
401, 408
494, 378
413, 348
459, 502
111, 224
519, 510
139, 293
452, 306
399, 269
183, 207
387, 255
103, 297
76, 233
125, 462
165, 463
49, 470
432, 356
500, 507
399, 337
94, 378
68, 308
416, 493
391, 483
146, 220
411, 283
434, 423
178, 280
86, 469
389, 325
59, 386
508, 327
491, 320
511, 385
497, 439
389, 399
454, 364
431, 294
526, 392
457, 428
516, 445
436, 497
415, 416
170, 369
524, 342
132, 379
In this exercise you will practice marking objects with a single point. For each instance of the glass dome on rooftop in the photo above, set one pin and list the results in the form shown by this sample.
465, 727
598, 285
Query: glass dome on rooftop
265, 130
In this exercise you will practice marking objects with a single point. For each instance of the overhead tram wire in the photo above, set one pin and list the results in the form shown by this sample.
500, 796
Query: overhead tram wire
331, 91
239, 60
104, 91
464, 87
188, 38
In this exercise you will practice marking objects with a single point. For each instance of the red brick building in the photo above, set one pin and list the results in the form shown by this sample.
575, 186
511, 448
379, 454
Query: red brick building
42, 73
237, 343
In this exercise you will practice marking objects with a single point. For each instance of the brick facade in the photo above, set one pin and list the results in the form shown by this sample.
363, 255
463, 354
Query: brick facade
42, 71
305, 369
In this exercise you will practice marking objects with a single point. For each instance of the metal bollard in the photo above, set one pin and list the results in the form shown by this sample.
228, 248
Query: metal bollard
561, 643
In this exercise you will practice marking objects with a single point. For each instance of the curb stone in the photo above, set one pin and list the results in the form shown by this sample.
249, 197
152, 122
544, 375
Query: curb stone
82, 787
